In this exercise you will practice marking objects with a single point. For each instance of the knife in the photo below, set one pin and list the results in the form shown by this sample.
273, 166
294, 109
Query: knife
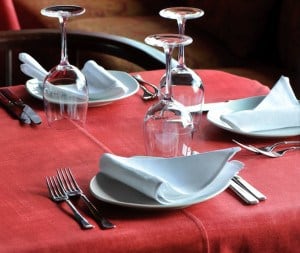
243, 193
26, 109
14, 110
243, 183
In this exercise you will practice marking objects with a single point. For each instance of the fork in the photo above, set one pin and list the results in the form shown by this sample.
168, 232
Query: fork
275, 154
265, 148
73, 189
58, 194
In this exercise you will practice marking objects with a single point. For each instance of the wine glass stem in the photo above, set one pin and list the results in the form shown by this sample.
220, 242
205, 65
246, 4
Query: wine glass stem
168, 87
64, 56
181, 30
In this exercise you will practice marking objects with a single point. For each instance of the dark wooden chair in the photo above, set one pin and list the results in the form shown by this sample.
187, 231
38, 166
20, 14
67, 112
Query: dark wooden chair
110, 51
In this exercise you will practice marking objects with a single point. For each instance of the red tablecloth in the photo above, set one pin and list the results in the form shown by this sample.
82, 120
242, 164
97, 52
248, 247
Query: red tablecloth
30, 222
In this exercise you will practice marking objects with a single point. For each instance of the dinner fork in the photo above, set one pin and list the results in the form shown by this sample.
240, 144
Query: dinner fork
58, 194
275, 154
72, 189
265, 148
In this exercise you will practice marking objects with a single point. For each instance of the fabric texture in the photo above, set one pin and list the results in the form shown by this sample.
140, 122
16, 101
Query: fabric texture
33, 223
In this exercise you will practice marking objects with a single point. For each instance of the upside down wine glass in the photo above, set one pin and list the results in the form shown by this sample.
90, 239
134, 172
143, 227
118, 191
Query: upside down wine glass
65, 91
187, 85
168, 125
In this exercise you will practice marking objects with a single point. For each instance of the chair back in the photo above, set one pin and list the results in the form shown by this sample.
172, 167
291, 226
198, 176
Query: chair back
109, 51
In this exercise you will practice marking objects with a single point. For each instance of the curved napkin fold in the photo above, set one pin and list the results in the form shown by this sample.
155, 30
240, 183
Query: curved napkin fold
279, 109
170, 180
101, 83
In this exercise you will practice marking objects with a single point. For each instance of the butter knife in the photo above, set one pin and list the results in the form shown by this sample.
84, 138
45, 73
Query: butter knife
18, 102
246, 196
243, 183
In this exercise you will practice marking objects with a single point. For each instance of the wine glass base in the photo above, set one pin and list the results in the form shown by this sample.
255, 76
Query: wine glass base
181, 13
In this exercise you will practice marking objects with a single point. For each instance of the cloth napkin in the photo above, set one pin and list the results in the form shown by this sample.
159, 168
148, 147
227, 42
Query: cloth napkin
279, 109
170, 180
102, 84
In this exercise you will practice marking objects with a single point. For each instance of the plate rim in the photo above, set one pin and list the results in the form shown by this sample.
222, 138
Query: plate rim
157, 205
133, 88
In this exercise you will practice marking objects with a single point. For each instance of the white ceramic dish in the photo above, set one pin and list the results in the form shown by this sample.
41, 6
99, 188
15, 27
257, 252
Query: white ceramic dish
34, 88
113, 192
245, 104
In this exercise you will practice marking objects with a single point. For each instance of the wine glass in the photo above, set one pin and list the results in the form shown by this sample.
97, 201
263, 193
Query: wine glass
187, 85
65, 91
168, 125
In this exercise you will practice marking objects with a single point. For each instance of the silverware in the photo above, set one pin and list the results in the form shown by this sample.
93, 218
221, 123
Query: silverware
18, 108
14, 110
245, 195
73, 189
243, 189
250, 188
275, 154
58, 194
265, 148
148, 95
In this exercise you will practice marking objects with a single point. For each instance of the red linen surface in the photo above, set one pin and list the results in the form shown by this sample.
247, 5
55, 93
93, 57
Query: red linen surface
9, 19
30, 222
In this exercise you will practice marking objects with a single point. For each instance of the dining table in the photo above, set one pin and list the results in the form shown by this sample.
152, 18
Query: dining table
32, 222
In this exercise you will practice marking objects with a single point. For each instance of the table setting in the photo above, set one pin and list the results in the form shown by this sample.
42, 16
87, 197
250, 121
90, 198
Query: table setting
138, 166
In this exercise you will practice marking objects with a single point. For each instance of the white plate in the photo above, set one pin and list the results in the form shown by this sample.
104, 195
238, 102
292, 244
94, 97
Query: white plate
34, 88
214, 116
113, 192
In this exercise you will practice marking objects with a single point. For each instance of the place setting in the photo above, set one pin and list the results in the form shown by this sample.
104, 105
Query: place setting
105, 86
171, 174
66, 84
274, 115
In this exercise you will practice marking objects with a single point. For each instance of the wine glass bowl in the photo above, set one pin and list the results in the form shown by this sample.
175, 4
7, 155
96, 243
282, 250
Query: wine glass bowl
168, 125
65, 92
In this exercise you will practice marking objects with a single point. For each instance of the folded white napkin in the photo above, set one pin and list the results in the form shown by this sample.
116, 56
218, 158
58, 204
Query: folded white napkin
279, 109
101, 83
170, 180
